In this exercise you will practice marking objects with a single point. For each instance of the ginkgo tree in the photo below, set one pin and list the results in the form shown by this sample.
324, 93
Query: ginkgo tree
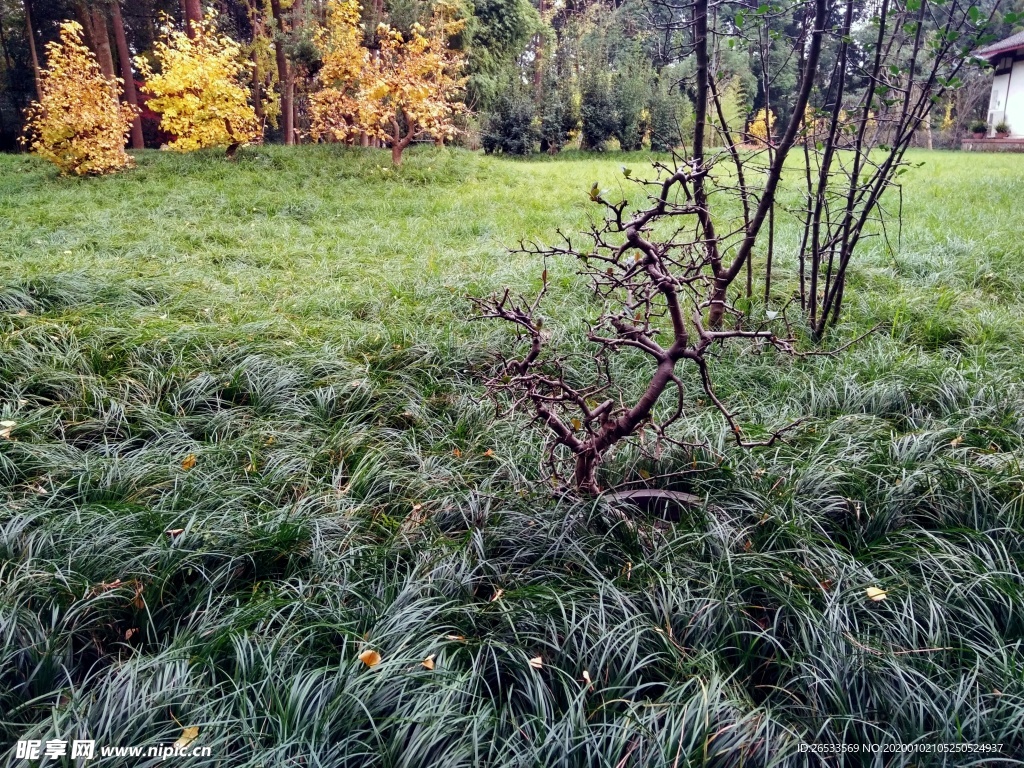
78, 123
200, 91
407, 90
336, 109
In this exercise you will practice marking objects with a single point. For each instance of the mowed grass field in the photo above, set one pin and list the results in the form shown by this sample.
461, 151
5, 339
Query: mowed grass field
249, 442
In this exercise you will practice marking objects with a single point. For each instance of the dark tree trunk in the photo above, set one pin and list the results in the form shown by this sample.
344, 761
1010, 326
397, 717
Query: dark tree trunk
84, 17
257, 85
125, 58
399, 143
283, 76
101, 41
30, 31
3, 42
298, 21
193, 15
538, 64
259, 30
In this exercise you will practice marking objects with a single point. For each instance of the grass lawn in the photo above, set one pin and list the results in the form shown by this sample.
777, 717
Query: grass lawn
249, 443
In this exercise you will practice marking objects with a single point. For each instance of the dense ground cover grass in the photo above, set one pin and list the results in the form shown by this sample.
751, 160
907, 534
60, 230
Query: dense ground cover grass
271, 360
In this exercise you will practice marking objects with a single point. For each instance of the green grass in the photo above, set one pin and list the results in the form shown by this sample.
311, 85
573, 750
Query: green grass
296, 322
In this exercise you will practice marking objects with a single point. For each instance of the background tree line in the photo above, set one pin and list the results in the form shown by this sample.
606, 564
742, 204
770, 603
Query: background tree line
540, 74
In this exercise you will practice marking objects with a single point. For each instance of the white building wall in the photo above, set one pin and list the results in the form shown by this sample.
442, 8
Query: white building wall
1015, 100
997, 101
1006, 103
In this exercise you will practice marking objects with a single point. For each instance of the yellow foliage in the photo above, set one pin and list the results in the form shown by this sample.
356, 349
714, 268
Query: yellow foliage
77, 124
407, 90
335, 109
761, 126
199, 92
947, 117
818, 124
261, 52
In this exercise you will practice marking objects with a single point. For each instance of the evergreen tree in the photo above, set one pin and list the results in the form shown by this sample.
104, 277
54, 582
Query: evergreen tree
597, 109
559, 115
511, 128
669, 113
632, 96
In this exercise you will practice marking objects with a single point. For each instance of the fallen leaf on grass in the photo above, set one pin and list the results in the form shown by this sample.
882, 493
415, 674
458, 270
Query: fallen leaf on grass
537, 662
188, 735
6, 427
175, 532
587, 680
428, 663
188, 462
370, 658
876, 594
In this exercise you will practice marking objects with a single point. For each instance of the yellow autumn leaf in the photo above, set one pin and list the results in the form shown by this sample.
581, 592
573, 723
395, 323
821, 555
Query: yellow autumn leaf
876, 594
188, 462
370, 658
188, 735
577, 424
537, 662
428, 663
6, 427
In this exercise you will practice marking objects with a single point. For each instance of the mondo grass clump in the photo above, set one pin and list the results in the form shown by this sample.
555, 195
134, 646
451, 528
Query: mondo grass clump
281, 511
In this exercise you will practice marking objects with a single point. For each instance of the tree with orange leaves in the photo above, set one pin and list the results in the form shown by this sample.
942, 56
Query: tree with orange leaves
407, 91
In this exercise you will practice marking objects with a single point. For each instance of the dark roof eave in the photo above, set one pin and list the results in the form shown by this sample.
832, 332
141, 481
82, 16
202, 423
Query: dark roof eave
1014, 42
989, 53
